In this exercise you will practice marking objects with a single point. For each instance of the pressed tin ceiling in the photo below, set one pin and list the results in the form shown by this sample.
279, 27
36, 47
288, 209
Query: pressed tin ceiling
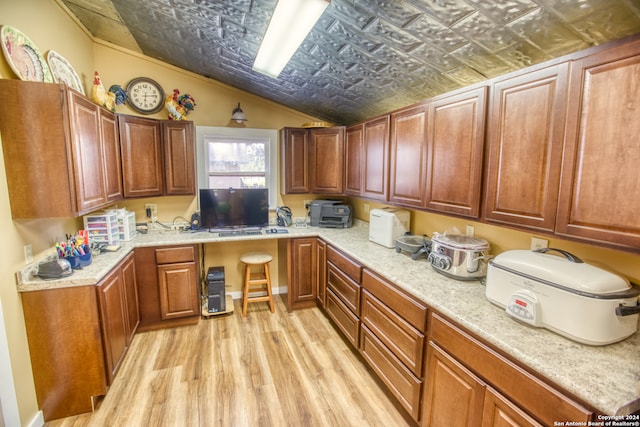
362, 58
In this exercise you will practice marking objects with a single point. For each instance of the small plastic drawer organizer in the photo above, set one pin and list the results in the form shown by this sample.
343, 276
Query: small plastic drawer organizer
103, 228
126, 224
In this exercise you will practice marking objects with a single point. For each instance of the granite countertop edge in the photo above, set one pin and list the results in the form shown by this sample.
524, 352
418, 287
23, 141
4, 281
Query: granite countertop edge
606, 377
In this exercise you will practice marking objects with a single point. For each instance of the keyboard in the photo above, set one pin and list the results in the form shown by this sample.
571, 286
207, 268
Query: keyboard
239, 233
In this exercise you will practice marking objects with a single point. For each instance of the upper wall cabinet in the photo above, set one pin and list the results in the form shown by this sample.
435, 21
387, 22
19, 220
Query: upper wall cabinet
294, 161
367, 159
599, 192
326, 156
408, 157
157, 157
455, 144
312, 160
524, 138
60, 150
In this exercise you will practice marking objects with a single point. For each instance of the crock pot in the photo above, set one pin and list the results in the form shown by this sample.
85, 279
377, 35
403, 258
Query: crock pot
562, 293
458, 256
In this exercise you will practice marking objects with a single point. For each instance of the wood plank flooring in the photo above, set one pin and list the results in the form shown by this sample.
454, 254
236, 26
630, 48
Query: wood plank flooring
282, 369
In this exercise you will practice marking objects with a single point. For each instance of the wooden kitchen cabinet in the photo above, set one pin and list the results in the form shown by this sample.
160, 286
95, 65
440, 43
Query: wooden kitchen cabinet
78, 337
321, 272
326, 157
179, 161
343, 293
599, 192
158, 157
302, 268
455, 146
460, 365
60, 157
408, 157
353, 159
141, 146
119, 316
524, 138
367, 159
168, 287
294, 161
392, 338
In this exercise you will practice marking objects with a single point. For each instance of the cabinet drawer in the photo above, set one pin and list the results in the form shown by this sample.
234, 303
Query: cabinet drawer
346, 321
344, 288
175, 255
350, 267
522, 388
409, 308
400, 337
401, 382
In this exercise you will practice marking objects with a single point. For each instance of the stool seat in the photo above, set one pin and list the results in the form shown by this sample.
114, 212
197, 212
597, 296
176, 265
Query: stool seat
256, 282
256, 258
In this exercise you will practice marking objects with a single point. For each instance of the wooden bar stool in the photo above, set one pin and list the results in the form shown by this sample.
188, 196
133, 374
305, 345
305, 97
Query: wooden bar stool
256, 281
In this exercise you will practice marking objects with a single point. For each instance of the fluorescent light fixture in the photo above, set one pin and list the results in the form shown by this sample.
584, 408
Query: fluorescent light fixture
291, 22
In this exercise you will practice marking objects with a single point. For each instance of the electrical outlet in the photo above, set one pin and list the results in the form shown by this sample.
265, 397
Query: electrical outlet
538, 243
28, 254
470, 230
307, 204
366, 208
151, 210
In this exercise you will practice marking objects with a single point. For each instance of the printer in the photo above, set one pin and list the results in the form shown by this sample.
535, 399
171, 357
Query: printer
330, 214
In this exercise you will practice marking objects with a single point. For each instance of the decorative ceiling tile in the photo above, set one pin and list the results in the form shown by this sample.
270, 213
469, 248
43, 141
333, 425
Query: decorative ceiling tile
362, 58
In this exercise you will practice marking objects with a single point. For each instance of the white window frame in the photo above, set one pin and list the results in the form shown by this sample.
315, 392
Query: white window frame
269, 136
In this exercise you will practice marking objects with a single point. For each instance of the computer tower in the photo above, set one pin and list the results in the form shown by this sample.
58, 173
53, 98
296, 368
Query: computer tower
216, 299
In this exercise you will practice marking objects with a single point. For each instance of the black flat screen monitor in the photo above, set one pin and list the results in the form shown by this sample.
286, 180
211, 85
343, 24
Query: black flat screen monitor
234, 207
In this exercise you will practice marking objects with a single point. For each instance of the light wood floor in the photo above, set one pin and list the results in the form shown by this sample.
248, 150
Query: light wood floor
282, 369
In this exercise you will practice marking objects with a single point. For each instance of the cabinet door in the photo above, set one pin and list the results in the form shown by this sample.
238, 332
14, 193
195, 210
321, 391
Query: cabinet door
500, 412
375, 167
599, 193
455, 147
179, 157
321, 272
141, 145
111, 156
453, 395
179, 290
302, 272
326, 158
86, 148
408, 160
294, 161
131, 296
525, 131
353, 159
111, 296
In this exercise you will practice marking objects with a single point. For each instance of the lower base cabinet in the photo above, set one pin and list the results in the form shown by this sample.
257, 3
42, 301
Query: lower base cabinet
78, 337
168, 286
463, 378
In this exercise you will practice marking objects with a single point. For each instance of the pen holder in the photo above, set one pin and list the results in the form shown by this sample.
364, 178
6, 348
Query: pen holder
79, 261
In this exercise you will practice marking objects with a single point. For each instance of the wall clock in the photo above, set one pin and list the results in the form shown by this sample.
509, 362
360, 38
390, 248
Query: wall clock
145, 95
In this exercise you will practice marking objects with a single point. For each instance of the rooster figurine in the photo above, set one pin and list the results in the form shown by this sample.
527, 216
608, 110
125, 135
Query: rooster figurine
100, 96
179, 106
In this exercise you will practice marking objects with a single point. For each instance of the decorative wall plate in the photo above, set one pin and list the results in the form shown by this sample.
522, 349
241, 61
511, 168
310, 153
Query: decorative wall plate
63, 72
23, 56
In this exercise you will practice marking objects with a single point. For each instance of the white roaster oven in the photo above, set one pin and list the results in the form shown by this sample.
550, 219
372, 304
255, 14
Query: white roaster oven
562, 293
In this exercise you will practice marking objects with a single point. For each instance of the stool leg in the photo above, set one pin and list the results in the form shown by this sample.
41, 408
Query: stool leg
245, 289
268, 278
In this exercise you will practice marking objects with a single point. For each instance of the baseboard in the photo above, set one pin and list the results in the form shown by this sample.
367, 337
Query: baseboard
37, 421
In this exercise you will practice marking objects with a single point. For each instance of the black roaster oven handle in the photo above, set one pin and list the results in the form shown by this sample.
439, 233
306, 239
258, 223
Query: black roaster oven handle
568, 255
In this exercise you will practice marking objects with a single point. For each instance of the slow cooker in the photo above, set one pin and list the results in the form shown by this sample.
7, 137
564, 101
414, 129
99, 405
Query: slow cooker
458, 256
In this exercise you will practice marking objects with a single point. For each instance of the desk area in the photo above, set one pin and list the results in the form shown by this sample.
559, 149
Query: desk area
574, 367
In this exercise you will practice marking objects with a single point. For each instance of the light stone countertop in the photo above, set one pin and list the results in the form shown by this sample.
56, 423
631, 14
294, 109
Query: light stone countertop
606, 377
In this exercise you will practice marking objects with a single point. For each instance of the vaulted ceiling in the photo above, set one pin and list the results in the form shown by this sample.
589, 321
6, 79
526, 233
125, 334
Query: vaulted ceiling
362, 58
